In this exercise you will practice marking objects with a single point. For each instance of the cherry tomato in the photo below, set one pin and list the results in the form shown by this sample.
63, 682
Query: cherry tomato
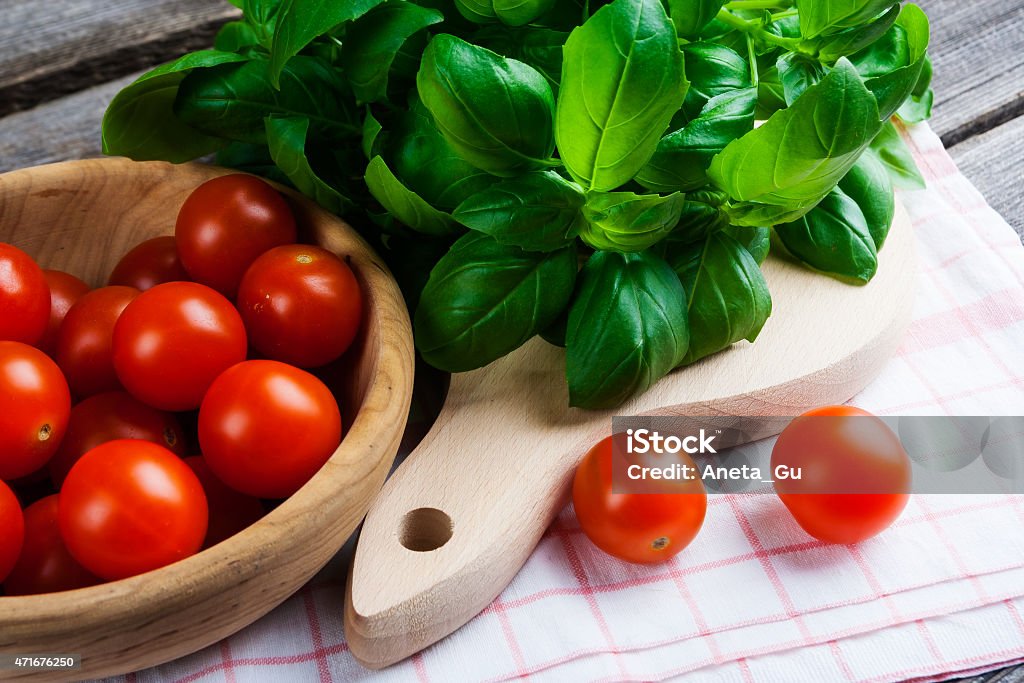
24, 297
225, 224
173, 341
230, 511
45, 565
85, 338
65, 291
855, 475
109, 417
149, 264
12, 530
301, 305
265, 428
34, 408
636, 527
129, 507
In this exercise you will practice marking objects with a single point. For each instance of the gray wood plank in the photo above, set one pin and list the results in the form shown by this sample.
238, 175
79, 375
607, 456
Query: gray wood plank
994, 161
978, 52
48, 50
1011, 675
68, 128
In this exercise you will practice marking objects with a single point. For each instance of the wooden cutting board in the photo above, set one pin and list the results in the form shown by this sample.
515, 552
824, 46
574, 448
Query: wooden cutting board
459, 518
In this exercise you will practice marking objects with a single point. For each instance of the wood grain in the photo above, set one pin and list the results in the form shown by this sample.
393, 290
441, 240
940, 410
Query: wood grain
995, 162
59, 48
82, 217
66, 129
978, 52
495, 469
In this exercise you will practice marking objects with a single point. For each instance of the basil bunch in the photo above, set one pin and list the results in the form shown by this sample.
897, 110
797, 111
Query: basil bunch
588, 171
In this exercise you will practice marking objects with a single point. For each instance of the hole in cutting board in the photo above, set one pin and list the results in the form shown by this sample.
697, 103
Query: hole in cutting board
425, 529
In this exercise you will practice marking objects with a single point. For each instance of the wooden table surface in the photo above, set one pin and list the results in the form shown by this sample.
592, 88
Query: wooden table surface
61, 62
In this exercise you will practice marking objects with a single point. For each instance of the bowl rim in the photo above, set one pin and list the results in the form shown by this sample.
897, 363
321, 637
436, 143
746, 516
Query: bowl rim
376, 429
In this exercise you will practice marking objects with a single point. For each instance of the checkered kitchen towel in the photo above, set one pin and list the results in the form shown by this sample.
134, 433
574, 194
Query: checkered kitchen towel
754, 598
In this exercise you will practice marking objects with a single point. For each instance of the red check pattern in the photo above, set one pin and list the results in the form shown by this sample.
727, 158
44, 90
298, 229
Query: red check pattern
754, 598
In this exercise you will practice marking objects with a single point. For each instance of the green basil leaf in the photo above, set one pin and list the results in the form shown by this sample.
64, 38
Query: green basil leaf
262, 15
833, 238
508, 12
890, 149
868, 184
727, 297
484, 300
373, 41
757, 241
777, 172
819, 17
497, 113
554, 333
698, 219
917, 109
798, 73
140, 121
411, 266
918, 106
892, 66
425, 161
371, 135
236, 36
254, 159
536, 212
300, 21
232, 100
771, 96
627, 328
712, 70
478, 11
681, 159
286, 138
539, 47
691, 16
520, 12
623, 221
622, 80
403, 204
846, 43
566, 15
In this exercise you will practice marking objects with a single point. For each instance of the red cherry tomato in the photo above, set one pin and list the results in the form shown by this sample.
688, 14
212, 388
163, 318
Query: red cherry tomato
45, 565
301, 305
265, 428
12, 530
149, 264
109, 417
85, 338
225, 224
855, 475
230, 511
129, 507
34, 408
173, 341
65, 291
24, 297
643, 528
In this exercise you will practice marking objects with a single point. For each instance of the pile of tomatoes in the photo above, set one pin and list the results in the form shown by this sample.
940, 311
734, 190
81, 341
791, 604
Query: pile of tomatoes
199, 346
856, 483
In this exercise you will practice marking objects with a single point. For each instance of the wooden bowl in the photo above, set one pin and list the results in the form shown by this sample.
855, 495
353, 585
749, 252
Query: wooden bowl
82, 217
